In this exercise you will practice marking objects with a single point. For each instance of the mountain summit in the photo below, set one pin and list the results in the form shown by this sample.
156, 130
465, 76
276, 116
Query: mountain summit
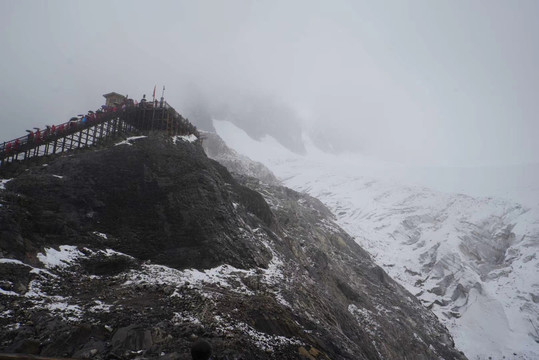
138, 250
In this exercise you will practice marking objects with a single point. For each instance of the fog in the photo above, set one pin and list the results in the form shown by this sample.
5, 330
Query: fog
445, 83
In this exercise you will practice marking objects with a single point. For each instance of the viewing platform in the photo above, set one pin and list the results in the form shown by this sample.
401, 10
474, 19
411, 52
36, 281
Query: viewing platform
119, 117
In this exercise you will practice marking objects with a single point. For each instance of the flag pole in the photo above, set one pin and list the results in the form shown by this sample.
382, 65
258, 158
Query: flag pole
163, 96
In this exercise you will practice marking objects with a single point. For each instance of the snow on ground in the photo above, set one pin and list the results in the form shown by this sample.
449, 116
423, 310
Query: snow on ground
59, 258
58, 305
223, 276
101, 235
129, 140
262, 340
12, 261
472, 258
189, 138
3, 183
68, 254
32, 271
100, 307
8, 292
518, 183
208, 283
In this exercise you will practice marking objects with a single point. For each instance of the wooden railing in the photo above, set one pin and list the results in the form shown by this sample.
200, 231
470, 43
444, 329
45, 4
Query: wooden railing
94, 128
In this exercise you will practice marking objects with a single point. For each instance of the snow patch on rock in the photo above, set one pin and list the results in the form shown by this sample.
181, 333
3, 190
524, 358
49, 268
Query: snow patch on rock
63, 257
189, 138
470, 259
3, 183
129, 140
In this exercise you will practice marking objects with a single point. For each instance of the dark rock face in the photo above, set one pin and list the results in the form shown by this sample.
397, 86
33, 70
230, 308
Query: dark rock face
236, 163
161, 202
138, 251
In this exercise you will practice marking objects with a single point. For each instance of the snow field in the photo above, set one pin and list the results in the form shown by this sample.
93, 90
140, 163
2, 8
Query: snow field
432, 242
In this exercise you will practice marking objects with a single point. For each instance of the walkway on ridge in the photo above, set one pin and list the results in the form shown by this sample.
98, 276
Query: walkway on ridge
95, 127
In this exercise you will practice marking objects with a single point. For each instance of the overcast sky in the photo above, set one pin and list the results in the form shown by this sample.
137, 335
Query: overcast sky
437, 82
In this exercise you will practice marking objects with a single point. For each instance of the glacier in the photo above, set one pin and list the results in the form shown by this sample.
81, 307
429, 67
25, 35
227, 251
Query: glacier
469, 257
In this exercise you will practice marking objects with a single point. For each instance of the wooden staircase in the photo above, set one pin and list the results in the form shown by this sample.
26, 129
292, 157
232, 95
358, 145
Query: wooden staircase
95, 128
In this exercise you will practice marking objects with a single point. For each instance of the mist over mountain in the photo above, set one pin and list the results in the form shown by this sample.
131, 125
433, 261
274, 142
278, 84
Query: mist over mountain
264, 115
470, 257
427, 83
378, 158
256, 115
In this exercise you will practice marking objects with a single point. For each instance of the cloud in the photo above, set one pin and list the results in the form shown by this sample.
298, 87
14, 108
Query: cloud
441, 83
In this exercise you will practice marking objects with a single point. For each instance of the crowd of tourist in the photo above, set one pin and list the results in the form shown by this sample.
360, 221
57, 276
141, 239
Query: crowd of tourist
38, 136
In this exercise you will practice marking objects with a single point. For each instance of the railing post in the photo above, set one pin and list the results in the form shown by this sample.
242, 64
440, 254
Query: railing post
108, 127
131, 119
79, 140
153, 115
163, 112
94, 136
71, 138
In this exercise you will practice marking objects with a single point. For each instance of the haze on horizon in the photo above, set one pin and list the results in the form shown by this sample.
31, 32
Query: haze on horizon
445, 83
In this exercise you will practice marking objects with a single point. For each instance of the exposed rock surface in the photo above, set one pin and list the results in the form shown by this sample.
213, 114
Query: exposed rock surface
137, 251
471, 260
236, 163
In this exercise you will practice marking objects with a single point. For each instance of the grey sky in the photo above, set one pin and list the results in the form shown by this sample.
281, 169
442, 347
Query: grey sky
439, 82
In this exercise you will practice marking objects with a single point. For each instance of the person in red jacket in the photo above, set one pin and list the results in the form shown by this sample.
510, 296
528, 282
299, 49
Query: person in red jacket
8, 147
17, 145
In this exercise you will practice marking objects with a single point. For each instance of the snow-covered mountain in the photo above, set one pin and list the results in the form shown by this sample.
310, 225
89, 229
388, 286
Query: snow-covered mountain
136, 250
472, 260
237, 163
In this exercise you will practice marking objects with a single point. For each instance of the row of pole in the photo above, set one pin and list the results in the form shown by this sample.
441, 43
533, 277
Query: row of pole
163, 118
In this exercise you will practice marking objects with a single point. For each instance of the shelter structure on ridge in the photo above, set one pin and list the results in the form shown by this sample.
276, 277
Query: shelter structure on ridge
114, 99
120, 117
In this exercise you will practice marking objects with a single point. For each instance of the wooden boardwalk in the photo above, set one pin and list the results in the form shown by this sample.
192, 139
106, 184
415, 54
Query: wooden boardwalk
95, 128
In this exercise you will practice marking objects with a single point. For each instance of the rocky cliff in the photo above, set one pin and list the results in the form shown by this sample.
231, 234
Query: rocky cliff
471, 260
136, 250
236, 163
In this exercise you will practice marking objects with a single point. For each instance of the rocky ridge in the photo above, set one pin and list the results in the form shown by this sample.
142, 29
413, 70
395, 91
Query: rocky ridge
135, 251
235, 162
472, 260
